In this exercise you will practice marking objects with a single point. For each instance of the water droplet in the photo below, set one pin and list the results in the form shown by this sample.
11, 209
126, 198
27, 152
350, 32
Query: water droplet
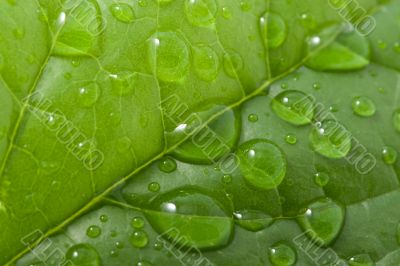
139, 239
50, 167
144, 263
389, 155
154, 187
205, 62
137, 222
75, 63
122, 12
210, 223
201, 12
93, 231
19, 33
308, 21
284, 86
396, 120
167, 165
294, 107
142, 3
124, 144
114, 253
226, 13
316, 86
169, 56
323, 220
245, 6
88, 95
363, 106
103, 218
252, 118
333, 108
291, 139
119, 245
273, 30
396, 47
67, 75
227, 179
331, 139
262, 163
281, 254
123, 83
382, 44
252, 220
233, 64
30, 59
361, 260
321, 179
83, 254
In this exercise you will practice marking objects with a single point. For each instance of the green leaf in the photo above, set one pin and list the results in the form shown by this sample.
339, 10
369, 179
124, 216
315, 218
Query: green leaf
117, 119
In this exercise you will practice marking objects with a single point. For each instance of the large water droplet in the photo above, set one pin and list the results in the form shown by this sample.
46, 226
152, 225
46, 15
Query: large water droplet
361, 260
363, 106
190, 217
139, 239
169, 56
389, 155
262, 163
88, 94
273, 30
281, 254
93, 231
396, 120
122, 12
167, 165
294, 107
233, 63
323, 220
83, 255
205, 62
201, 12
331, 139
252, 220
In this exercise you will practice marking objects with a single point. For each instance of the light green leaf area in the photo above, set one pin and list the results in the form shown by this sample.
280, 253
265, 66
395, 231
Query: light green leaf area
98, 167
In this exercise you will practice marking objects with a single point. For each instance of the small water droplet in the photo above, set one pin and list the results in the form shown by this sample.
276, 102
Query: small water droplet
227, 179
396, 47
142, 3
389, 155
119, 244
139, 239
154, 187
30, 59
169, 56
205, 62
396, 120
331, 139
19, 33
144, 263
252, 220
321, 179
167, 165
291, 139
262, 163
89, 94
363, 106
75, 63
103, 218
308, 21
233, 63
323, 220
245, 6
226, 13
284, 86
67, 75
114, 253
294, 107
201, 12
382, 44
316, 86
137, 222
281, 254
93, 231
83, 254
252, 118
122, 12
334, 108
273, 30
124, 144
361, 260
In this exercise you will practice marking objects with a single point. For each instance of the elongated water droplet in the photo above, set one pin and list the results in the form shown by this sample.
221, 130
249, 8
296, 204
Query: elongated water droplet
262, 163
201, 12
199, 219
361, 260
83, 255
363, 106
281, 254
273, 30
169, 56
323, 220
167, 165
294, 107
331, 139
88, 95
389, 155
122, 12
321, 179
93, 231
396, 120
252, 220
139, 239
205, 62
233, 63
